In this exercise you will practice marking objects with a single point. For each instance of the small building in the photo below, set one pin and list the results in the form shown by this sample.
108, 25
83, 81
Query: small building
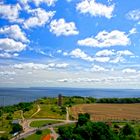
15, 122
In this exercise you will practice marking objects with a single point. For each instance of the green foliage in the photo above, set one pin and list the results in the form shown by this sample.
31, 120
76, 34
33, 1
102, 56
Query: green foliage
118, 100
86, 130
39, 132
65, 132
25, 106
127, 132
116, 126
139, 132
1, 113
83, 119
21, 106
9, 117
63, 110
16, 128
4, 138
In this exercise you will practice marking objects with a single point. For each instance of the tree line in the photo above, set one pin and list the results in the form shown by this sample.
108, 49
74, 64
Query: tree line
88, 130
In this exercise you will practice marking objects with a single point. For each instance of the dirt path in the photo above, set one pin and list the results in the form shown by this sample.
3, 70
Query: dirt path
67, 114
30, 131
22, 116
25, 123
38, 110
54, 134
1, 132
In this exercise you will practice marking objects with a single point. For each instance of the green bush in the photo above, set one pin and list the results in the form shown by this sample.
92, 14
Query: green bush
39, 132
4, 138
16, 128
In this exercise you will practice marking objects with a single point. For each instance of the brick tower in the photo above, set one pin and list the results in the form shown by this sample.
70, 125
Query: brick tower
59, 100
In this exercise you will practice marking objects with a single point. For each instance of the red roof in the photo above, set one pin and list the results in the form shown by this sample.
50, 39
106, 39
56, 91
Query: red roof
47, 137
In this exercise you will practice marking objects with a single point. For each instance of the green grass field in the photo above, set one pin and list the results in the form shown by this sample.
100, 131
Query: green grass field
17, 115
5, 126
49, 111
38, 137
28, 114
43, 122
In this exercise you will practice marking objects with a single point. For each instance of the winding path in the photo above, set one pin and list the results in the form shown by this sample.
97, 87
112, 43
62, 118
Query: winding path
67, 114
54, 134
29, 130
38, 110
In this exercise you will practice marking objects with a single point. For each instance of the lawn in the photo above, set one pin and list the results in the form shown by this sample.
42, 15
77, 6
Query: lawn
29, 113
38, 137
50, 111
5, 126
43, 122
17, 115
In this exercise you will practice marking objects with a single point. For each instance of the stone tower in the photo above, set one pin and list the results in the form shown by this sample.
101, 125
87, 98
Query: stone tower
59, 100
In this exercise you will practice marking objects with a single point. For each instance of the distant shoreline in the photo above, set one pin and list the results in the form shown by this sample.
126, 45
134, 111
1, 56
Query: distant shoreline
9, 96
93, 88
90, 100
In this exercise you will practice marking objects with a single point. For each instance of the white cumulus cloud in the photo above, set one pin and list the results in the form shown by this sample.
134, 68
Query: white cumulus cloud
106, 39
133, 31
8, 55
113, 53
102, 59
95, 9
105, 53
14, 32
10, 12
134, 15
48, 2
10, 45
125, 53
118, 59
38, 66
40, 18
61, 27
97, 68
77, 53
38, 2
129, 70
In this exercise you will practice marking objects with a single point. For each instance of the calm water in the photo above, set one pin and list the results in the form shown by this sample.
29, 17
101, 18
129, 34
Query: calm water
9, 96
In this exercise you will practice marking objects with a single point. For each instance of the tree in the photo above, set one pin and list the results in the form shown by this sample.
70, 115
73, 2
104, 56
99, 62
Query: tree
86, 130
1, 113
83, 119
65, 132
9, 117
127, 132
39, 132
4, 138
16, 128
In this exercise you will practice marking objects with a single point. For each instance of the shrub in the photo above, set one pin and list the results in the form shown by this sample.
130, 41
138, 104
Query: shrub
39, 132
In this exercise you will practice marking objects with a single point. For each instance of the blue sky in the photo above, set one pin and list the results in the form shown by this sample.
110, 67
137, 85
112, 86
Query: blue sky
70, 43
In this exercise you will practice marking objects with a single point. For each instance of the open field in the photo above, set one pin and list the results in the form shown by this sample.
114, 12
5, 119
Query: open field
108, 112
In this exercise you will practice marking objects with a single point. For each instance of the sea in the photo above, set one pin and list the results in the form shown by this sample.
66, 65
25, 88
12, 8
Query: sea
10, 96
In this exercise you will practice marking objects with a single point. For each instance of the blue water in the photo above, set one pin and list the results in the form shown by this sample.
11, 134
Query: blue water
9, 96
